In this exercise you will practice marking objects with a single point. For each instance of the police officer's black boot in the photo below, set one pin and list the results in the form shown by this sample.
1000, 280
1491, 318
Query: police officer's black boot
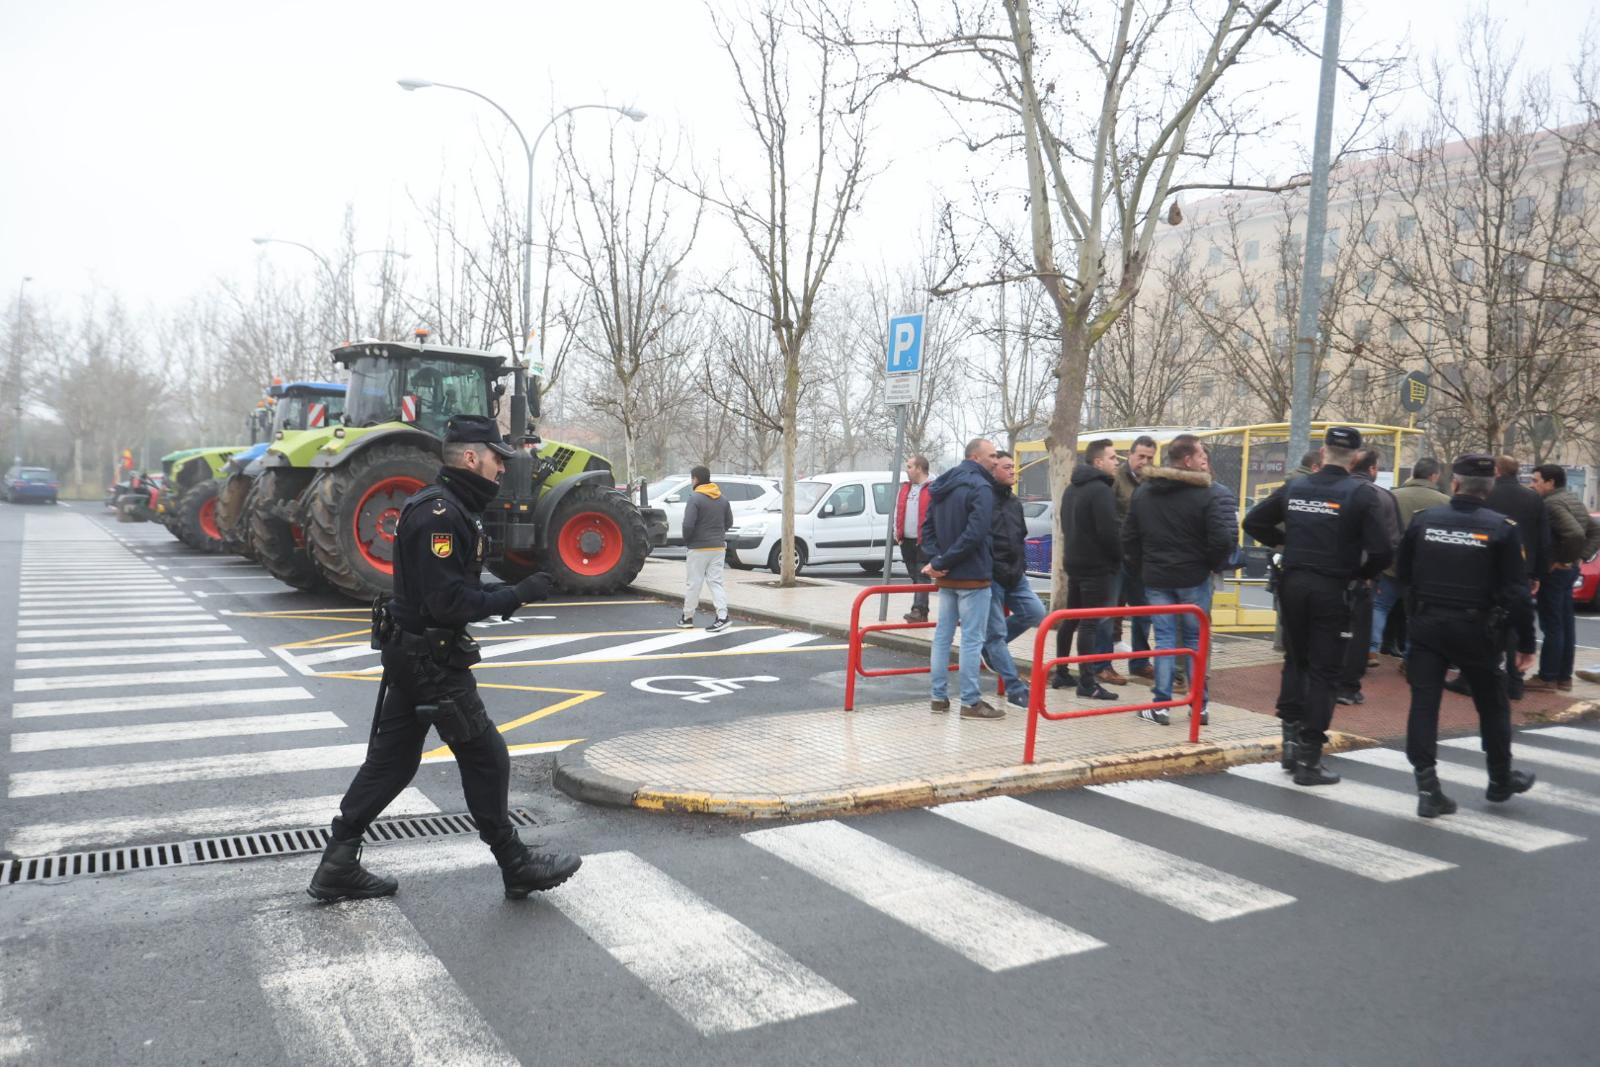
1431, 801
1308, 768
1507, 783
527, 872
340, 875
1290, 731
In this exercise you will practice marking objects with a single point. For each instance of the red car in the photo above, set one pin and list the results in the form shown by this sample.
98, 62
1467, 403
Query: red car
1587, 592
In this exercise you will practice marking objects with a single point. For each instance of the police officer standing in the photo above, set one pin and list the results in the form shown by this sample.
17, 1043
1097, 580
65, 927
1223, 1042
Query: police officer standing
438, 560
1334, 534
1462, 568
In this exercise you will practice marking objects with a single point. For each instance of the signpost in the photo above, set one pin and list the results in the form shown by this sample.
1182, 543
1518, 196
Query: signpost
902, 379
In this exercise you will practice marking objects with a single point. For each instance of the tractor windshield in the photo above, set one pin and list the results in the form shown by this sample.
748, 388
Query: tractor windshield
302, 411
425, 392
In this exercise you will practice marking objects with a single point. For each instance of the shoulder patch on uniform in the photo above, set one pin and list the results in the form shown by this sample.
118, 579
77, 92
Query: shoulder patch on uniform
443, 545
439, 507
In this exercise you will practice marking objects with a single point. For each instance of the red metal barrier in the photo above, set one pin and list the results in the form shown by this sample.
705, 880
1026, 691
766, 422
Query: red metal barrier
853, 666
1039, 681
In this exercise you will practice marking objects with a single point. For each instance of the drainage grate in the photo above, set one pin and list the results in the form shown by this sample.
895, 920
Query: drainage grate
232, 847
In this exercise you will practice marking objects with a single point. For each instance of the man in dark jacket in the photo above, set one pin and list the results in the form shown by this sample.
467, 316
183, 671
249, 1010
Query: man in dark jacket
1092, 557
1420, 493
1525, 508
956, 529
1357, 658
1010, 588
1129, 589
1574, 537
1181, 529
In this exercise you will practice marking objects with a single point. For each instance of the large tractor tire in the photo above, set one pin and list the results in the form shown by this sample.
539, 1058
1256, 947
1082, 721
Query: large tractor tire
279, 544
353, 511
597, 544
232, 519
197, 517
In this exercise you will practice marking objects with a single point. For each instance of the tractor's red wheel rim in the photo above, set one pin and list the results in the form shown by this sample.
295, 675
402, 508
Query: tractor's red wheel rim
590, 543
376, 517
208, 520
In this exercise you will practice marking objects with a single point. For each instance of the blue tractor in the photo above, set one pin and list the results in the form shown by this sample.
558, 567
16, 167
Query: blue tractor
288, 408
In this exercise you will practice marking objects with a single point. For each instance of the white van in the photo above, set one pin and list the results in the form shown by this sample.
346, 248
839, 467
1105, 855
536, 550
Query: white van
743, 492
838, 518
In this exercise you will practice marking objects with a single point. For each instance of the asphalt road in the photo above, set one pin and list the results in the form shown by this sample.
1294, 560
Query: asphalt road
1221, 919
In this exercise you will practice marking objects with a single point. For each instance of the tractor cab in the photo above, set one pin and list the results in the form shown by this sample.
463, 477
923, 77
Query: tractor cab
305, 405
420, 385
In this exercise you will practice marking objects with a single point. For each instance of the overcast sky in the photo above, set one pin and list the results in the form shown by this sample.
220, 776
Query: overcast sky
146, 142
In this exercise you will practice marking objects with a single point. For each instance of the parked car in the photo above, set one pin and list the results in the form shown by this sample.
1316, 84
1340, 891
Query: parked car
1586, 594
838, 518
745, 493
1040, 515
31, 483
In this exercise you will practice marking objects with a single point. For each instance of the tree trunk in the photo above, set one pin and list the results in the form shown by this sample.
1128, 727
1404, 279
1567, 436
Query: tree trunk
791, 439
1062, 442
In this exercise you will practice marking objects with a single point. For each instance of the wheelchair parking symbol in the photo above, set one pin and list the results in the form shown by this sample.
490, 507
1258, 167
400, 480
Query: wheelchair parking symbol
695, 688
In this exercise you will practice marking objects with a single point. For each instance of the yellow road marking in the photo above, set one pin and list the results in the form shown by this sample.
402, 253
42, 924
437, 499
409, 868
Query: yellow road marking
337, 640
326, 614
440, 755
660, 656
315, 642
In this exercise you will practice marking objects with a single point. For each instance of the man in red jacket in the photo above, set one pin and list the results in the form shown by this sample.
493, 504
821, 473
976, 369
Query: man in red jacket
908, 530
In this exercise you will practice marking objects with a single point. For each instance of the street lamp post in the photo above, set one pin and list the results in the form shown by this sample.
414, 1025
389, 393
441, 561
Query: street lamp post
351, 327
519, 413
15, 371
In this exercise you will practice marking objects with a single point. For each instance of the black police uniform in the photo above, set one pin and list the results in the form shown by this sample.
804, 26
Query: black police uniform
438, 562
1461, 565
1333, 533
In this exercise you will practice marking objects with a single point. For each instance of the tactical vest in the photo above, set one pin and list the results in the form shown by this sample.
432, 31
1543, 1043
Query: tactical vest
1321, 530
1453, 560
407, 602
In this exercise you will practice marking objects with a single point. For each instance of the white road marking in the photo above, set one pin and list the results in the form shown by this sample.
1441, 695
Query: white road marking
1495, 829
43, 839
778, 642
332, 656
1564, 733
1189, 886
1537, 755
187, 769
711, 969
652, 644
222, 656
34, 603
229, 578
499, 649
106, 681
123, 582
1477, 778
359, 985
211, 627
15, 1044
124, 616
153, 642
192, 730
990, 930
1308, 840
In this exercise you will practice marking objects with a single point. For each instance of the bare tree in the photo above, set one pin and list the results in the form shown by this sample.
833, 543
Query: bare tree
745, 377
814, 149
1015, 369
1480, 278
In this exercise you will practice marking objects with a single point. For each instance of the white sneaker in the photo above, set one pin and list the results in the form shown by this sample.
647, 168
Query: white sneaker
686, 622
719, 624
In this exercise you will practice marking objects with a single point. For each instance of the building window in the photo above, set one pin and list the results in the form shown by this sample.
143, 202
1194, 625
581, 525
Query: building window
1362, 333
1252, 251
1406, 228
1280, 340
1207, 387
1358, 381
1331, 239
1522, 216
1397, 330
1466, 219
1463, 270
1324, 379
1248, 296
1247, 340
1214, 257
1366, 281
1369, 234
1399, 280
1516, 267
1280, 296
1565, 256
1454, 324
1210, 303
1571, 201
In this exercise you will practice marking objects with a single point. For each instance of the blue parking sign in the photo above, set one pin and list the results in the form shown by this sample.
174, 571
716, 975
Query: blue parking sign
905, 344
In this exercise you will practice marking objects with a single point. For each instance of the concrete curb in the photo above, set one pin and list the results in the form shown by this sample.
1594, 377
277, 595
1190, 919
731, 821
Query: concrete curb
1582, 711
577, 779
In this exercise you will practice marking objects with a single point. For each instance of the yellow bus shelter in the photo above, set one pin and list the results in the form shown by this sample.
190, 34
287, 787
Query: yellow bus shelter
1252, 460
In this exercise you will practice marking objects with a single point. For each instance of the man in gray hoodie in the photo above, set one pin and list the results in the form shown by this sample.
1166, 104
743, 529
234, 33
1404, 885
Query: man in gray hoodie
706, 519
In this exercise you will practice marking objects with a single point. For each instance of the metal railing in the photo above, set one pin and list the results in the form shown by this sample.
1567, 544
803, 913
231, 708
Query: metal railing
853, 667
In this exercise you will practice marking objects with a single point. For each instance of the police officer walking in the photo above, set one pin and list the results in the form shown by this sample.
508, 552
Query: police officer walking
438, 560
1462, 567
1334, 534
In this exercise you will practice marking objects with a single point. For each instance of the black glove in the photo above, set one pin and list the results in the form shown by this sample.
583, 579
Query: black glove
533, 587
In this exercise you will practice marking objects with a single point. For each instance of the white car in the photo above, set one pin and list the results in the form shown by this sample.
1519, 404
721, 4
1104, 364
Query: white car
838, 518
745, 493
1040, 517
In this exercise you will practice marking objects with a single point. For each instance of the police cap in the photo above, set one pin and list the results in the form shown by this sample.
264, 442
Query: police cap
1342, 437
476, 430
1473, 465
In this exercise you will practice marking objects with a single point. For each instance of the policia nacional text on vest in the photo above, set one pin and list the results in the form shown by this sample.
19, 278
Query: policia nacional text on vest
1462, 570
1333, 535
427, 682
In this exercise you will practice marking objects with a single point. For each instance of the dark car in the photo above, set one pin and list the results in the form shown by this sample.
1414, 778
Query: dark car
1586, 594
23, 484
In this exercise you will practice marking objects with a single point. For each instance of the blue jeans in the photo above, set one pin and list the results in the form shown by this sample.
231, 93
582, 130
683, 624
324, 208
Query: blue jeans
1383, 602
1168, 627
971, 608
1026, 613
1139, 639
1558, 622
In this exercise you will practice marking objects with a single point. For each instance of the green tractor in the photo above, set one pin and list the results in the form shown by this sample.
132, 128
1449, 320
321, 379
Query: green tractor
188, 506
327, 504
287, 409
